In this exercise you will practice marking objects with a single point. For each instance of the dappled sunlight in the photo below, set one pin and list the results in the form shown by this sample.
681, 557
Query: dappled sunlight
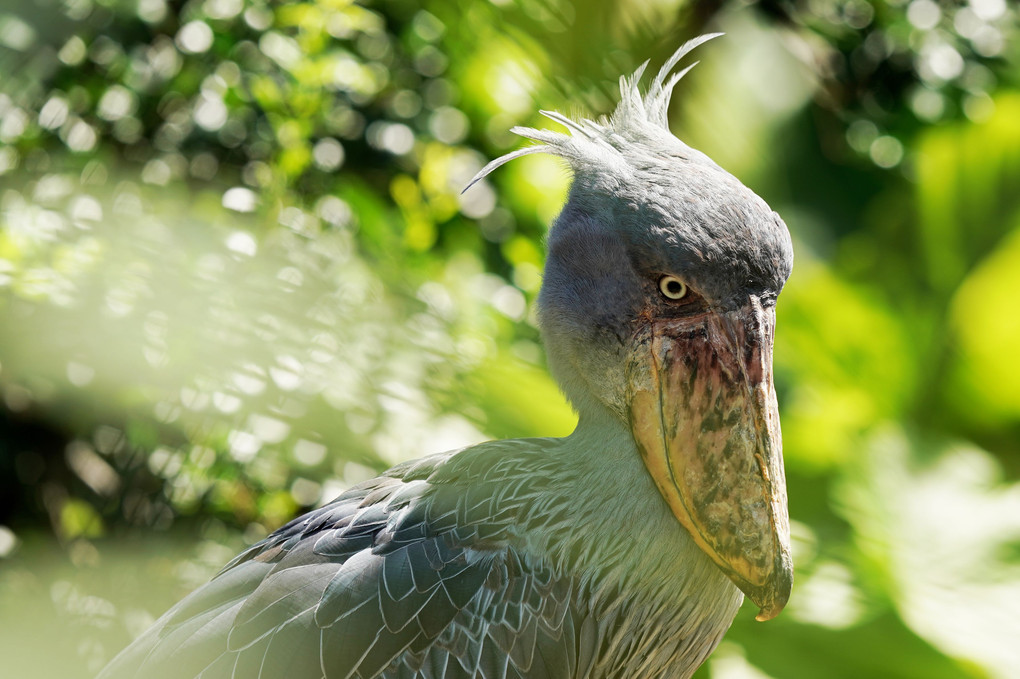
249, 346
827, 597
96, 600
728, 662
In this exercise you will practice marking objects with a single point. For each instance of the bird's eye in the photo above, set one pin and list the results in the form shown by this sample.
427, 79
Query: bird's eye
672, 287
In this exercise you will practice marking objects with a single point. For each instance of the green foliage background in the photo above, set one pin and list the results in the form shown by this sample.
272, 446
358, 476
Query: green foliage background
237, 275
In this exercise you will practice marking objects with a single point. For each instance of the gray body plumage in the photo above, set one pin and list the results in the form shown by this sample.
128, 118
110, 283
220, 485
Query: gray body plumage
538, 558
508, 559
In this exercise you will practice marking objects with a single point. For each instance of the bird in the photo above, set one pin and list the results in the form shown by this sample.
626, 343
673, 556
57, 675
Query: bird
621, 550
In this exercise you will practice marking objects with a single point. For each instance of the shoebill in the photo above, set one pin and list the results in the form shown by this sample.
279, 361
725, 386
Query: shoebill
623, 550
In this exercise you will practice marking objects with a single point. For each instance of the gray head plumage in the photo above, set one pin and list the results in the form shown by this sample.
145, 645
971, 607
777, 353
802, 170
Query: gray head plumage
642, 204
673, 205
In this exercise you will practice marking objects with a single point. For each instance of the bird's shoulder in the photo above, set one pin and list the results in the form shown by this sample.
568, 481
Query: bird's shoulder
411, 574
476, 493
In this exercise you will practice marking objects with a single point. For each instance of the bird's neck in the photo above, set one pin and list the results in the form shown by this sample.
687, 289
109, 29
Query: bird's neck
613, 498
603, 522
618, 516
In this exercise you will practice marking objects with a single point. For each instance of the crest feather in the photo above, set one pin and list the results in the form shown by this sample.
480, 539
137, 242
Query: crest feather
635, 110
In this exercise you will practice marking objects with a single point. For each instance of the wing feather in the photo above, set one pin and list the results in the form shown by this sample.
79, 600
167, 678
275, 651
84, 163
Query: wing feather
354, 585
408, 577
281, 597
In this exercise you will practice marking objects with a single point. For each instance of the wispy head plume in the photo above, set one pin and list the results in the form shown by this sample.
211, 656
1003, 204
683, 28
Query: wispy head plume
588, 140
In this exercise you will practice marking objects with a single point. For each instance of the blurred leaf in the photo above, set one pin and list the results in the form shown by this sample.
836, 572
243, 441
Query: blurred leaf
847, 359
78, 519
985, 320
932, 529
521, 400
967, 176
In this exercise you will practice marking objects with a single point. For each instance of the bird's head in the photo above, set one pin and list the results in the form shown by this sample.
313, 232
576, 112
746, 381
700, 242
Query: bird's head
658, 305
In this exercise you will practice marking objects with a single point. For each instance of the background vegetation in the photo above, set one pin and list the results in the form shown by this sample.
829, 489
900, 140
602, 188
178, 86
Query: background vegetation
237, 275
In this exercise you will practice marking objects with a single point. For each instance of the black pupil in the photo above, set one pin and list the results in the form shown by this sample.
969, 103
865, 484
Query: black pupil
674, 287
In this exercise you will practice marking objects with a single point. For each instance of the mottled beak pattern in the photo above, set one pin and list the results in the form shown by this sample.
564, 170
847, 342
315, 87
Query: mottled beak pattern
704, 415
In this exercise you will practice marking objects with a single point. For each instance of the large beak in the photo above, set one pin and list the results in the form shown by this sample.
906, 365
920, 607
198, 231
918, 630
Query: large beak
704, 414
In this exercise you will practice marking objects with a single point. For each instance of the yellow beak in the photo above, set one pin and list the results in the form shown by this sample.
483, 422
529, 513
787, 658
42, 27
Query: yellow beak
704, 414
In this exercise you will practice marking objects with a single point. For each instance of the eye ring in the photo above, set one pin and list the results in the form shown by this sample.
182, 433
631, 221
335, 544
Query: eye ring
672, 287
